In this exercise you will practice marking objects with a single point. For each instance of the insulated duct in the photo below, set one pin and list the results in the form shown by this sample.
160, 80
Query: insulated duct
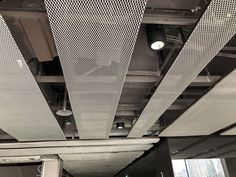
95, 41
24, 112
215, 28
214, 111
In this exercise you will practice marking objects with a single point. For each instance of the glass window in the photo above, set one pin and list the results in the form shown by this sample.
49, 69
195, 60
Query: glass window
198, 168
179, 167
205, 168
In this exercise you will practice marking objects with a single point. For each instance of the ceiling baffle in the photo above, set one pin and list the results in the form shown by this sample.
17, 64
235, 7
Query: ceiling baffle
95, 41
214, 111
215, 28
20, 115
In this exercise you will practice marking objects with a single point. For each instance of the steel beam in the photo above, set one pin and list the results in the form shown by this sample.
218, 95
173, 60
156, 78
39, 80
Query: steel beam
80, 143
142, 79
155, 17
150, 17
229, 48
227, 55
198, 81
127, 110
19, 160
125, 113
126, 107
49, 79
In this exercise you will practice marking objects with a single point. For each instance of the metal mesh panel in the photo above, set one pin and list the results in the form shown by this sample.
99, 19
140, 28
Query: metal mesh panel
24, 112
215, 28
95, 41
231, 131
214, 111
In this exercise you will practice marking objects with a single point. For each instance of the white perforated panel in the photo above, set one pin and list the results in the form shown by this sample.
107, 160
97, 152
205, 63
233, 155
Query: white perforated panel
24, 112
213, 31
98, 164
95, 41
215, 111
231, 131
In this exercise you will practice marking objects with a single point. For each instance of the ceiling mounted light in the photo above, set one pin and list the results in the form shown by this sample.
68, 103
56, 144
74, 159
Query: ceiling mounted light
120, 125
64, 112
156, 37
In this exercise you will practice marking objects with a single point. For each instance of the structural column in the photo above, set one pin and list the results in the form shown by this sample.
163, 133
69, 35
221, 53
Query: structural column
229, 165
51, 168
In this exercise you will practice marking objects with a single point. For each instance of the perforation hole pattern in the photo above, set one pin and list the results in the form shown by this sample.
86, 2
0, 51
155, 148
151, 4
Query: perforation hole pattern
24, 112
95, 41
215, 28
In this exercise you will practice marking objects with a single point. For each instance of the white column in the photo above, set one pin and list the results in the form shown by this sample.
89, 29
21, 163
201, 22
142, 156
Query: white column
51, 168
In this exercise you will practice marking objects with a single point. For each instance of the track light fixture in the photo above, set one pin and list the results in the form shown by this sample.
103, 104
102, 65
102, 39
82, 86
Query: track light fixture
120, 125
156, 37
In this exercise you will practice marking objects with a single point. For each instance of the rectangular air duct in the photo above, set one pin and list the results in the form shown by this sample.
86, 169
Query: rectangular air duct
24, 112
214, 111
95, 41
215, 28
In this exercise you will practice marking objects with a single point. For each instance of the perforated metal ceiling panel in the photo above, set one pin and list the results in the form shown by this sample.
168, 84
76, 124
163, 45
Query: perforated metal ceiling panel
215, 28
24, 112
95, 41
214, 111
98, 164
231, 131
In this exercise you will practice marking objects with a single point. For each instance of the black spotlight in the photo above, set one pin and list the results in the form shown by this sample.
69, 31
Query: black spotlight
156, 37
120, 125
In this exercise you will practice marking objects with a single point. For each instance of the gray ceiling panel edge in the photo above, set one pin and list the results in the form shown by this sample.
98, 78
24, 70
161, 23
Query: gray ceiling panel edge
24, 112
210, 35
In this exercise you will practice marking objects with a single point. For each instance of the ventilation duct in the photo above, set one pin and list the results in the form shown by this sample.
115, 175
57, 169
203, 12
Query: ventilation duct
20, 115
95, 41
215, 28
214, 111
